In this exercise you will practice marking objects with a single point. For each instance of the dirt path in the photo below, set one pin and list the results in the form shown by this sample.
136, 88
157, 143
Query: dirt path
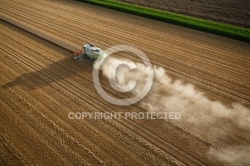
41, 84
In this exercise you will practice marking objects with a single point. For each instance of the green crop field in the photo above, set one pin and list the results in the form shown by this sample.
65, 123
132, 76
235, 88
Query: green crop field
177, 19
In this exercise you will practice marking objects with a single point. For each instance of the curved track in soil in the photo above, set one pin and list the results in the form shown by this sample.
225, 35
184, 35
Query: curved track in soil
41, 84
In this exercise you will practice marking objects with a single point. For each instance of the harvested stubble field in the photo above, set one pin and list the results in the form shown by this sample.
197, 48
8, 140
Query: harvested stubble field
41, 84
226, 11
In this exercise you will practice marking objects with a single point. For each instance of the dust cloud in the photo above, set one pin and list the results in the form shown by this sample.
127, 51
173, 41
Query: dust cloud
175, 96
233, 155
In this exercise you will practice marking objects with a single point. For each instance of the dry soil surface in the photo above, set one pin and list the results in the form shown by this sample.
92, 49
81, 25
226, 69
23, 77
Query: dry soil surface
41, 84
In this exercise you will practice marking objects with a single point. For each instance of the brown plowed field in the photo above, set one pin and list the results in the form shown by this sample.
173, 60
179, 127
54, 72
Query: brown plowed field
41, 84
226, 11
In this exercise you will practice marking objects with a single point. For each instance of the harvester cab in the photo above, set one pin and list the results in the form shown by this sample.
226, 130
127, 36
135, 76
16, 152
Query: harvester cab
89, 52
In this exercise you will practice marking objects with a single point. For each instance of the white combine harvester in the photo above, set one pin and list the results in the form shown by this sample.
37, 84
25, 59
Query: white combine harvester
89, 52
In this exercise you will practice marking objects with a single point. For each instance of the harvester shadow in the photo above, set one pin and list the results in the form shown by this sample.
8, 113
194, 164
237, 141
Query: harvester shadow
55, 72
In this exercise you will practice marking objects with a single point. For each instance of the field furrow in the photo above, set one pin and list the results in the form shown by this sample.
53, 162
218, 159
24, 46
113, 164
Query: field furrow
41, 85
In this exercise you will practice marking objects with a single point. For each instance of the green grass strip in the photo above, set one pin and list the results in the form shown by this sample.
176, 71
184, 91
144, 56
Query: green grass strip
225, 30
